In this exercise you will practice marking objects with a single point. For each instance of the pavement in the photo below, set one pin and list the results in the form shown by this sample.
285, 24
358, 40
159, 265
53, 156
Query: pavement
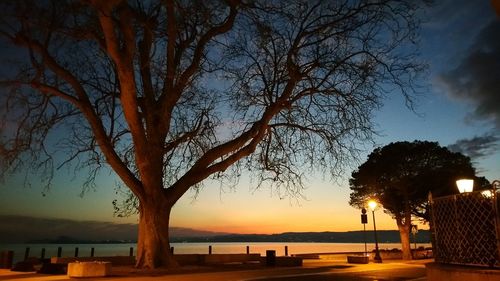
312, 270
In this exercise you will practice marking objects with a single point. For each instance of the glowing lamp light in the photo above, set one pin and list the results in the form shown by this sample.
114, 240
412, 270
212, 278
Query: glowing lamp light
372, 204
465, 185
487, 193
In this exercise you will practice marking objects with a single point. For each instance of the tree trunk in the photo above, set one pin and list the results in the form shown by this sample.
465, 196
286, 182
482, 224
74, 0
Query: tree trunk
404, 234
153, 246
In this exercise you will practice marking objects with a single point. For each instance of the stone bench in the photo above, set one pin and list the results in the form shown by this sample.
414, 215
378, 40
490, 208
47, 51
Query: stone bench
89, 269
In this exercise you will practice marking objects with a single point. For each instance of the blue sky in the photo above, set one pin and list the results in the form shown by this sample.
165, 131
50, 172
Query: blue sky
459, 107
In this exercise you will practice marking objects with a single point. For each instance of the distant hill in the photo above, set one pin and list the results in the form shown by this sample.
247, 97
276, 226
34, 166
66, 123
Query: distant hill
182, 232
22, 229
384, 236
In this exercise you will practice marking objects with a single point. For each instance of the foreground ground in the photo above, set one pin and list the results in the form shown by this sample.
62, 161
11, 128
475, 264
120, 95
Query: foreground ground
313, 270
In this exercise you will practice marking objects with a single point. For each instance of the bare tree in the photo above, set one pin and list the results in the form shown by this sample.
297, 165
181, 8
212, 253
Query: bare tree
170, 93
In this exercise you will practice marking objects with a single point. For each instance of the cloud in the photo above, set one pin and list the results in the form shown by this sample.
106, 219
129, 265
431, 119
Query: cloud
477, 77
445, 13
476, 147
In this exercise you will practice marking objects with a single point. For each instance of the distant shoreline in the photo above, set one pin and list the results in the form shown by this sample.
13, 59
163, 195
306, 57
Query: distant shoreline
385, 236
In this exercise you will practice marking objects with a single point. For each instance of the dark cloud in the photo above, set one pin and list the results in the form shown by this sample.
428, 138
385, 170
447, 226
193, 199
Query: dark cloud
476, 147
477, 77
445, 13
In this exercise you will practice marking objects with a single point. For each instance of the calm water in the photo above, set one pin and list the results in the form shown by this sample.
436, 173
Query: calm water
195, 248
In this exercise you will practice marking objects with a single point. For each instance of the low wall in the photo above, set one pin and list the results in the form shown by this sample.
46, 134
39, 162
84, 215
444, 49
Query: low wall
188, 259
384, 254
230, 258
202, 259
115, 260
439, 272
288, 261
341, 256
397, 254
210, 259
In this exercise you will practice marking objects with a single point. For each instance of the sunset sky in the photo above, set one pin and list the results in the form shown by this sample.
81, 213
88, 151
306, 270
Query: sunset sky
460, 109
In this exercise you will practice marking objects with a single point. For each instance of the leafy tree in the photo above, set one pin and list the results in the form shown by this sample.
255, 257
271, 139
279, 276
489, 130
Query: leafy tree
170, 93
400, 176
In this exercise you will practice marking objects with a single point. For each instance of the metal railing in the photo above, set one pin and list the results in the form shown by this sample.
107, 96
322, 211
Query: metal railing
465, 228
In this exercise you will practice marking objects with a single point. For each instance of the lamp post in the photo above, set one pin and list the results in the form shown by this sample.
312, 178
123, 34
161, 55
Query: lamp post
372, 204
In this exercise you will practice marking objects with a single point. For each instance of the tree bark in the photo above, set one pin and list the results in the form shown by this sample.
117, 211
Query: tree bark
153, 245
404, 234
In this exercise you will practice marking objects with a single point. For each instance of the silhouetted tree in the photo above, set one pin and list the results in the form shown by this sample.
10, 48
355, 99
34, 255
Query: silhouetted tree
400, 176
170, 93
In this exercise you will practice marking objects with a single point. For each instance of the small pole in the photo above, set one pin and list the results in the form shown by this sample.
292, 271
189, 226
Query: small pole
131, 251
76, 252
172, 250
26, 253
364, 238
59, 252
364, 221
92, 252
248, 250
42, 256
210, 249
286, 251
414, 230
415, 241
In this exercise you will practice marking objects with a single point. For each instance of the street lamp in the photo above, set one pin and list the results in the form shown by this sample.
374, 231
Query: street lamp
465, 185
495, 187
372, 204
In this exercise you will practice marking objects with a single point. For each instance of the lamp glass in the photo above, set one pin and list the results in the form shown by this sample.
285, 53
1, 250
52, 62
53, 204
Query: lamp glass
465, 185
487, 193
372, 204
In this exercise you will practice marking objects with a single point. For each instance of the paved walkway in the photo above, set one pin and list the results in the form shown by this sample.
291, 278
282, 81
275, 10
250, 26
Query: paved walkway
313, 270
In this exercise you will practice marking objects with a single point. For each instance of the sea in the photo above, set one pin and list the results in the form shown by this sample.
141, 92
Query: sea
123, 249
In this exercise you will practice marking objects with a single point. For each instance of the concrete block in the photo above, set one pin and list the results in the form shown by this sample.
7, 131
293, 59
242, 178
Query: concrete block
358, 259
89, 269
